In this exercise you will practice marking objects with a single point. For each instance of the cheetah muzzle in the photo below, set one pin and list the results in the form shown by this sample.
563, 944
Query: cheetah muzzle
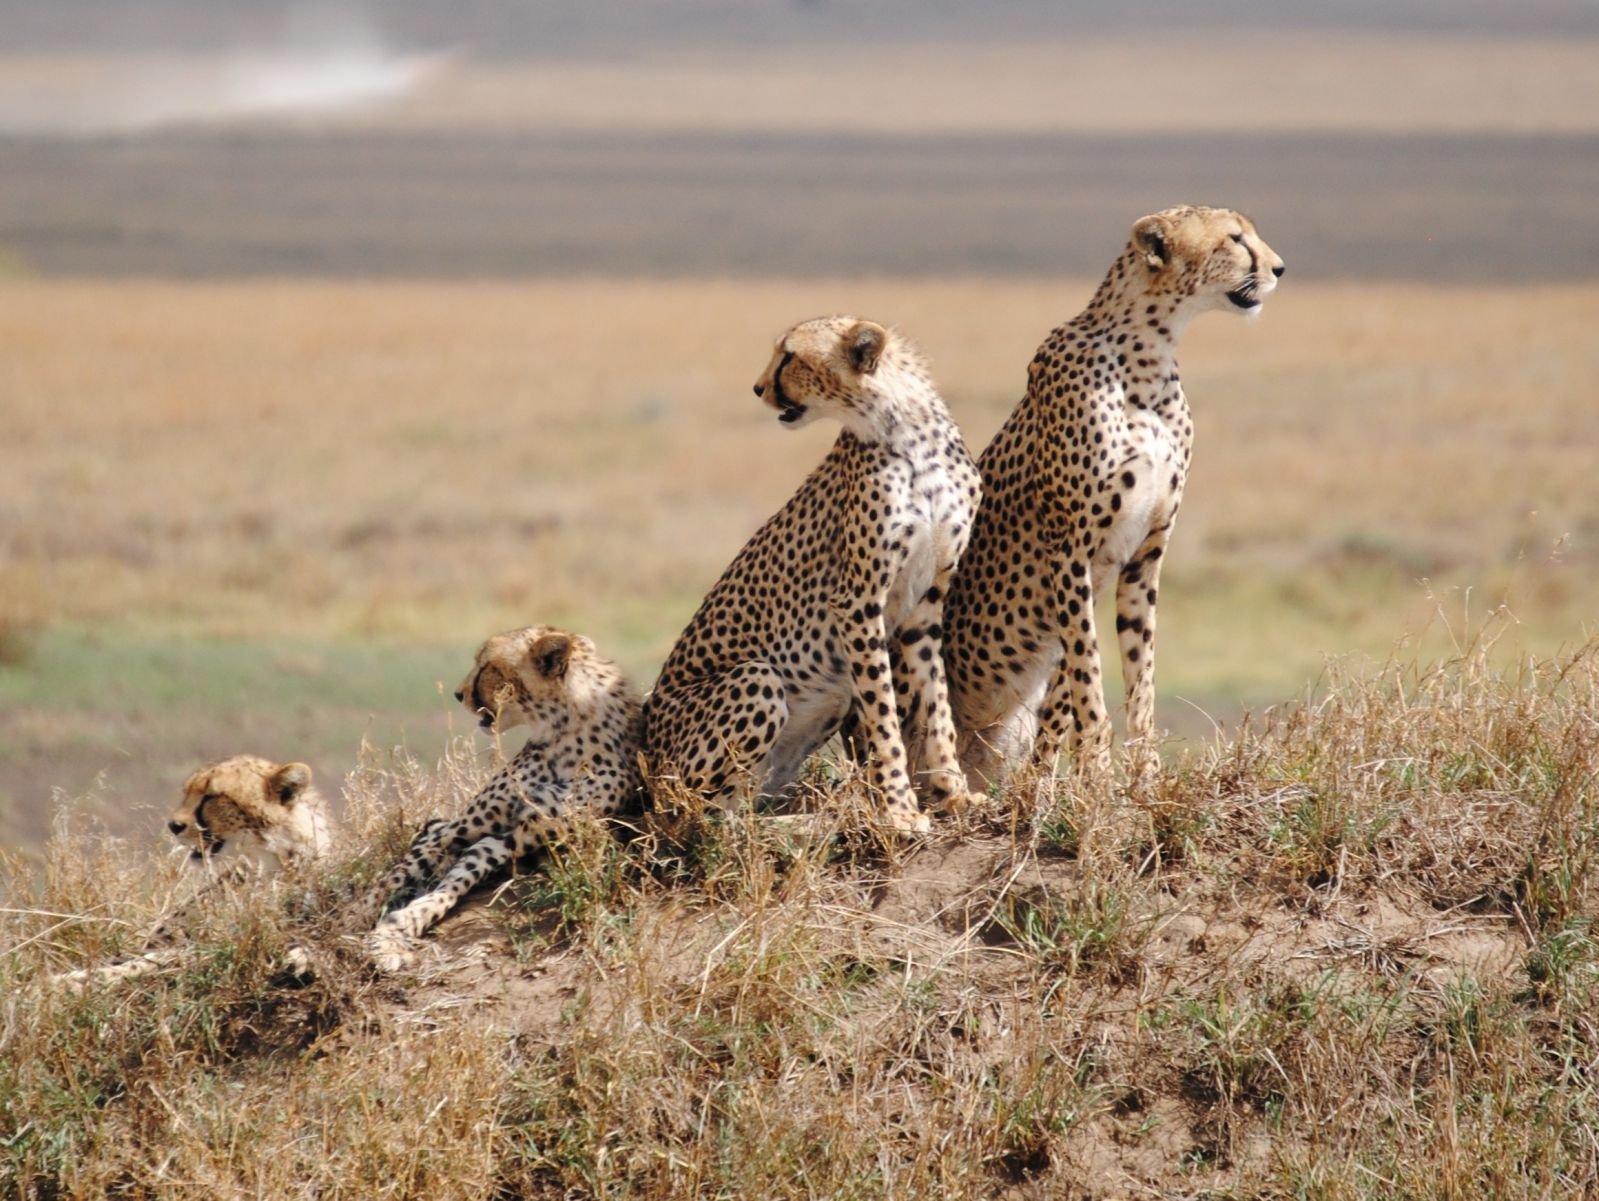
789, 410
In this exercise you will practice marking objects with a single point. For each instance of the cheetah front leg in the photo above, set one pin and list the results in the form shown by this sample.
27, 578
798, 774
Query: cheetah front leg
1076, 692
435, 844
537, 823
1136, 588
872, 681
165, 945
144, 964
927, 724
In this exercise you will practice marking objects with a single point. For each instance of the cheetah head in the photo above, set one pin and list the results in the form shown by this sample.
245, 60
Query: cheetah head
528, 677
825, 367
250, 808
1205, 258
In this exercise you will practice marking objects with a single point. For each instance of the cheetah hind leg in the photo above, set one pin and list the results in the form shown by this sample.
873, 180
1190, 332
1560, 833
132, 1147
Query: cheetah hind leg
723, 734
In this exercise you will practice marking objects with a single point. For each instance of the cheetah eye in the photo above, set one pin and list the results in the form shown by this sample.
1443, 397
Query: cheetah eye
1239, 238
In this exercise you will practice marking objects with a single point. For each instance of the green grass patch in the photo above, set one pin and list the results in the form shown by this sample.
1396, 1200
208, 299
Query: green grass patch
125, 668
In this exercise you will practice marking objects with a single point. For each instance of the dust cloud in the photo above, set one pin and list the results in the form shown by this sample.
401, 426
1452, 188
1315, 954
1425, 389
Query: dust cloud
315, 62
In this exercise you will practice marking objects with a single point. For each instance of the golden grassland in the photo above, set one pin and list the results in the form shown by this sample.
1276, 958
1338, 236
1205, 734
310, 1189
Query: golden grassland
1348, 956
265, 513
330, 458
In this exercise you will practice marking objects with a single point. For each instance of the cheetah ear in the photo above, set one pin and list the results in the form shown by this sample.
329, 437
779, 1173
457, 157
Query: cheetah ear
289, 781
1149, 237
864, 341
550, 655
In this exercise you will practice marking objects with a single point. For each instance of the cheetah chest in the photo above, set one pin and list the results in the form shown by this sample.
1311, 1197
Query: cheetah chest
926, 511
927, 515
1142, 493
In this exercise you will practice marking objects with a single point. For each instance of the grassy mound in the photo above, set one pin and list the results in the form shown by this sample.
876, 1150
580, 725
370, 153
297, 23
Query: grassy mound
1347, 953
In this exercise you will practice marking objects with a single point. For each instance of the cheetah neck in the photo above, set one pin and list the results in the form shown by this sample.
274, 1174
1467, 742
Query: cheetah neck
1131, 331
320, 839
902, 406
309, 834
1128, 302
589, 696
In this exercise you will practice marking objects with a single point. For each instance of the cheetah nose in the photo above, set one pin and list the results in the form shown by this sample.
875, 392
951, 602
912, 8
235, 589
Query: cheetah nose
760, 389
1278, 270
177, 827
458, 695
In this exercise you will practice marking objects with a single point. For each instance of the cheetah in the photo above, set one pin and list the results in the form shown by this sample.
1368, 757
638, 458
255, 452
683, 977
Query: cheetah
1080, 485
836, 594
585, 726
245, 818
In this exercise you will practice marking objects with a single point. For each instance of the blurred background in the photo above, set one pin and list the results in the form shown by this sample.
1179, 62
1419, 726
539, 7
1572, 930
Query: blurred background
336, 337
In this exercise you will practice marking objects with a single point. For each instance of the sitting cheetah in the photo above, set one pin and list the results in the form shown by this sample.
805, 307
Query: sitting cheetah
582, 750
796, 636
1082, 484
244, 819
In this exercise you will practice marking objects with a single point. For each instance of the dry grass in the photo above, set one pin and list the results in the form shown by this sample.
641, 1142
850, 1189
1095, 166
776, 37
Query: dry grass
1348, 955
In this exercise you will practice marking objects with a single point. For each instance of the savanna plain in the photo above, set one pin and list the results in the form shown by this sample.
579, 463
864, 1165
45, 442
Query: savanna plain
1343, 949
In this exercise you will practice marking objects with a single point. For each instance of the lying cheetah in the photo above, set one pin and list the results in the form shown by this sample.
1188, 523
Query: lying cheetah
243, 819
796, 635
1082, 484
584, 721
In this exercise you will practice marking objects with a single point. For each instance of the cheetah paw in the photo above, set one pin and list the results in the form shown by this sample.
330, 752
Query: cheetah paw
957, 803
946, 792
915, 822
298, 964
391, 949
1143, 767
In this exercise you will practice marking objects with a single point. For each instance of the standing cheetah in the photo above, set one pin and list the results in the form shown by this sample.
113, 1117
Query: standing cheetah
583, 718
796, 636
1082, 484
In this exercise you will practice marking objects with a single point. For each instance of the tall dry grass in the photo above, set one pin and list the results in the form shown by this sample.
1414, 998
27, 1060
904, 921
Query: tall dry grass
1348, 954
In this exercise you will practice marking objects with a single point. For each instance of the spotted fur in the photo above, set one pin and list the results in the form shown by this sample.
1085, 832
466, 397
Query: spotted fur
243, 819
1080, 486
582, 752
797, 635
